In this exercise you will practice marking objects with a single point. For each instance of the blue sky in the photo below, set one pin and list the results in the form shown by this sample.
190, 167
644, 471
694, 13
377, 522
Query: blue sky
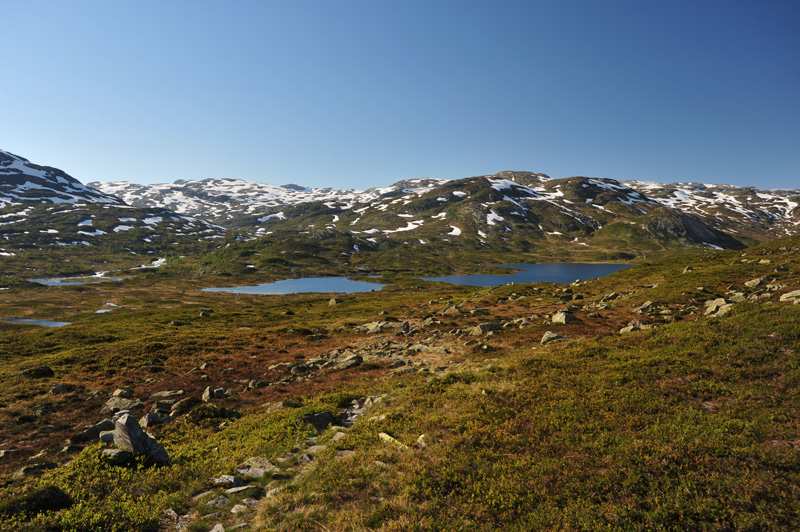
354, 94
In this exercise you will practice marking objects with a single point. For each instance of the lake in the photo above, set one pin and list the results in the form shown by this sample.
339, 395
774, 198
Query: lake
44, 323
308, 284
559, 272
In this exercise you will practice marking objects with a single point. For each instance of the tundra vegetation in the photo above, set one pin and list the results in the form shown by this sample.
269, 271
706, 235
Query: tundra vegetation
668, 400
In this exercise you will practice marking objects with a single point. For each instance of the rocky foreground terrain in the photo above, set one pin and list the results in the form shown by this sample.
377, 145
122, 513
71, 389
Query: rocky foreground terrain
410, 408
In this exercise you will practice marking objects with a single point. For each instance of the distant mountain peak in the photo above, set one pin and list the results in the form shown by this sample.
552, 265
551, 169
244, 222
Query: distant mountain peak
22, 181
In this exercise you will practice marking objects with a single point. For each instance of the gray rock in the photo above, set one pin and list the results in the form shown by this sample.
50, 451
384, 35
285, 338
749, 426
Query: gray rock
166, 394
484, 328
350, 362
335, 301
122, 392
184, 405
226, 481
756, 282
344, 454
563, 318
36, 469
256, 467
217, 528
320, 421
107, 436
152, 419
116, 404
62, 388
117, 457
218, 502
304, 460
239, 508
629, 328
246, 491
550, 337
790, 296
92, 433
129, 435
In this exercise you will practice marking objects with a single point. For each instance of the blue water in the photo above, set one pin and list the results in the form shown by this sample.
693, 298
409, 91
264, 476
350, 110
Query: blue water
561, 272
44, 323
299, 286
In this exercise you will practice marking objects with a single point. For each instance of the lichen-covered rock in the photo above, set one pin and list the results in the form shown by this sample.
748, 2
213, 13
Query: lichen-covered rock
129, 435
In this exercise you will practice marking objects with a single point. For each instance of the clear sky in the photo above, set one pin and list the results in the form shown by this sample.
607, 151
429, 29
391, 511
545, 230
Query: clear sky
361, 93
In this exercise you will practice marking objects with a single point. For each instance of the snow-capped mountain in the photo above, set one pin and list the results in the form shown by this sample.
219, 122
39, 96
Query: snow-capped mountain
238, 202
21, 181
524, 198
41, 206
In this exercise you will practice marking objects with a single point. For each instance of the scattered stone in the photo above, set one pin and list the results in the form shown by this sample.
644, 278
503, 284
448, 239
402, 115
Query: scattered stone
107, 436
550, 337
117, 404
388, 439
246, 491
790, 296
71, 449
167, 394
629, 328
184, 405
61, 388
217, 528
320, 420
757, 282
129, 435
226, 481
122, 392
92, 433
344, 454
154, 418
304, 460
36, 469
563, 318
350, 362
209, 394
117, 457
239, 508
256, 467
37, 372
218, 502
335, 301
483, 328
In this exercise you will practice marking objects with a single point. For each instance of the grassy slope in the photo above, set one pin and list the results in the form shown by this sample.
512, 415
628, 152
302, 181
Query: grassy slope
693, 425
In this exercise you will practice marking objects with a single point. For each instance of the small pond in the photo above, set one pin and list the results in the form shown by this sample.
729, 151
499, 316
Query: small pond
559, 272
43, 323
298, 286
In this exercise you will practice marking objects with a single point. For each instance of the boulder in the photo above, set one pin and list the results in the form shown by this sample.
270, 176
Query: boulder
117, 403
152, 419
184, 405
117, 457
563, 318
62, 388
335, 301
350, 362
484, 328
129, 435
756, 282
256, 467
320, 420
550, 337
92, 433
790, 296
166, 394
36, 469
